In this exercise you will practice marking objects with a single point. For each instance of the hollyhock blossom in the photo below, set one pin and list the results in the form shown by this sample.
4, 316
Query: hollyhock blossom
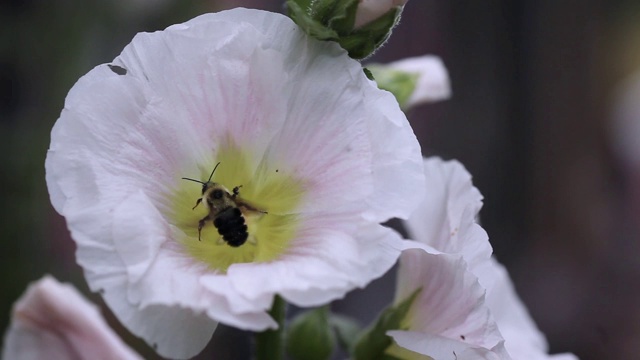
54, 321
414, 81
317, 154
467, 303
433, 79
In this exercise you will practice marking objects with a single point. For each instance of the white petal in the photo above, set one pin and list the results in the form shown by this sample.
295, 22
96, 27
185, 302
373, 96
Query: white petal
433, 79
173, 331
321, 269
446, 219
398, 169
54, 321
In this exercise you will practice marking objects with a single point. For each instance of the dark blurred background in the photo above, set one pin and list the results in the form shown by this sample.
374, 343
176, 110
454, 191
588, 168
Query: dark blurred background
534, 89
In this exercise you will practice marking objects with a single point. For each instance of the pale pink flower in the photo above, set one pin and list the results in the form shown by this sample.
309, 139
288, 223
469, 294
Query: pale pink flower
432, 78
467, 303
320, 153
54, 321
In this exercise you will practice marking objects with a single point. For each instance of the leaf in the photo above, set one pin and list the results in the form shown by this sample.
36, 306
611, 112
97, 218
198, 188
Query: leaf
374, 341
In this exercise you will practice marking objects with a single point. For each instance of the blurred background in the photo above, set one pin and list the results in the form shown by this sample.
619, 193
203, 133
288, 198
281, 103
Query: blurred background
543, 115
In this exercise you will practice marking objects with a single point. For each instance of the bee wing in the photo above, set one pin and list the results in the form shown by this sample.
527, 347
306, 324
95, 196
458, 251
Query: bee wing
245, 206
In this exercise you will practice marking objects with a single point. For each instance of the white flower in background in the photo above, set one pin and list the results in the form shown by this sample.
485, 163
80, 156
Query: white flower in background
433, 79
370, 10
455, 269
320, 156
54, 321
414, 81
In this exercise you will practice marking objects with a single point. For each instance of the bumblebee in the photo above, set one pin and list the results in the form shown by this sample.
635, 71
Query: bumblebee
226, 210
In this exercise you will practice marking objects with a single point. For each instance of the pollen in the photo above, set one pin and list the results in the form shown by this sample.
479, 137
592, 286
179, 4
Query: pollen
266, 187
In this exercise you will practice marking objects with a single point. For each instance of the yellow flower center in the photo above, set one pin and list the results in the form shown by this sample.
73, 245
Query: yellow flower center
268, 189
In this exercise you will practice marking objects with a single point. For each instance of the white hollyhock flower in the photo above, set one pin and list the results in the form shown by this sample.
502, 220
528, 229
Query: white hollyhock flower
433, 82
320, 156
467, 303
54, 321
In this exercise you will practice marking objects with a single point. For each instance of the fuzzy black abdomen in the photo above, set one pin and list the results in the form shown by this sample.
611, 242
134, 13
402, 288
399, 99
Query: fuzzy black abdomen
230, 224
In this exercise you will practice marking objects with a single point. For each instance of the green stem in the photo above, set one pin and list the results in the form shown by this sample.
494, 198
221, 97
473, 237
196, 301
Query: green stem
270, 343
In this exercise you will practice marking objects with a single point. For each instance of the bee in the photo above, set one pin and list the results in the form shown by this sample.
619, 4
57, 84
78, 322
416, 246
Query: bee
225, 210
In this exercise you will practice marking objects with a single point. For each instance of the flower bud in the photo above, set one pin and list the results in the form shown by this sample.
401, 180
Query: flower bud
359, 26
370, 10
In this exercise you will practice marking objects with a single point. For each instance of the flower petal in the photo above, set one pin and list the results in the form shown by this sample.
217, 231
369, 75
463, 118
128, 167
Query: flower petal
446, 219
312, 274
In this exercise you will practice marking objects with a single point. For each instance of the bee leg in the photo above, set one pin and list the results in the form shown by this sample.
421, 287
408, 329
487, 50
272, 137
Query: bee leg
236, 191
197, 203
201, 225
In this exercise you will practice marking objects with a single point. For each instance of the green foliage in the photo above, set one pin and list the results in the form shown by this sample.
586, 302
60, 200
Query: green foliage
374, 341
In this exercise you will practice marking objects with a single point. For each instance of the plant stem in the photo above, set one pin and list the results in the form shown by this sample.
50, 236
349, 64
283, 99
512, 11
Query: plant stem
270, 343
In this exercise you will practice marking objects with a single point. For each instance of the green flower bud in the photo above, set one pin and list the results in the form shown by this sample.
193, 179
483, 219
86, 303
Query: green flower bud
310, 336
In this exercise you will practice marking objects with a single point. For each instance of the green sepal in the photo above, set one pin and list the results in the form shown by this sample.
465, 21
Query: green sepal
310, 336
346, 329
374, 341
364, 41
305, 19
369, 74
334, 20
400, 83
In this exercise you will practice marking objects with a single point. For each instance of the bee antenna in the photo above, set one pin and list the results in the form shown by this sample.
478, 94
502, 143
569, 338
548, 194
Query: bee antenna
198, 181
214, 170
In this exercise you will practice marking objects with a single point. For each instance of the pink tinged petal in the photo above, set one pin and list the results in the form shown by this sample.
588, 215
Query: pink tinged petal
433, 80
451, 302
446, 219
54, 321
523, 339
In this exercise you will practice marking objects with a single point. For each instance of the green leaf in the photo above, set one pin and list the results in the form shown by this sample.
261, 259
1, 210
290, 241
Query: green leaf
401, 84
310, 336
374, 341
